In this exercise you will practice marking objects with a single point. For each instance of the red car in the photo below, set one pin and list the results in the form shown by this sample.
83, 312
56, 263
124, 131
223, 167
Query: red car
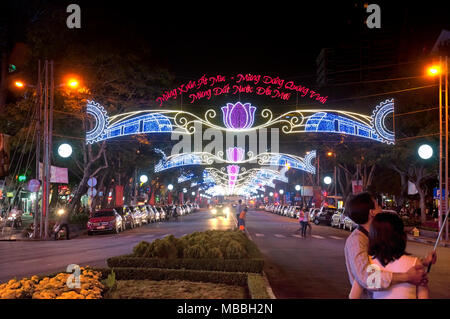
105, 220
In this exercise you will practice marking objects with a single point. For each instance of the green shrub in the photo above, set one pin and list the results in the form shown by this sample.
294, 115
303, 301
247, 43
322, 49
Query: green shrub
80, 218
229, 265
230, 244
238, 279
257, 287
141, 249
195, 251
164, 249
235, 250
214, 253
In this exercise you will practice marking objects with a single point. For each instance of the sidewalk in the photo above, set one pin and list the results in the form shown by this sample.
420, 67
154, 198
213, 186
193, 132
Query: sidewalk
17, 235
428, 240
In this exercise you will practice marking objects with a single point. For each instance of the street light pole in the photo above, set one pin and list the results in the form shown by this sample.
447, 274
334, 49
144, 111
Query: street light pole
443, 183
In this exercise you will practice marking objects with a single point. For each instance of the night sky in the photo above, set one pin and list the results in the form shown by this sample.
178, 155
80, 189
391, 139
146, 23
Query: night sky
281, 37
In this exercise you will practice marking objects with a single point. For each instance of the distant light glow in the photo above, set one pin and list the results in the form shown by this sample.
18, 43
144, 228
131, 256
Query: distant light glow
425, 151
327, 180
19, 84
297, 188
170, 187
143, 179
65, 150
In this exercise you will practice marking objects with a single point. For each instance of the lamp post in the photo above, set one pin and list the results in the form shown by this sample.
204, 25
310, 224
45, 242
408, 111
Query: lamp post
442, 71
45, 92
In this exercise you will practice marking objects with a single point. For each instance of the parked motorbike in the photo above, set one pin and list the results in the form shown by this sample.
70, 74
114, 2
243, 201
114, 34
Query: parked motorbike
61, 228
14, 220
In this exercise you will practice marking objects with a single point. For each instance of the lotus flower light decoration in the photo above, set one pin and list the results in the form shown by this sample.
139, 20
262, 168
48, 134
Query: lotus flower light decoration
238, 116
235, 154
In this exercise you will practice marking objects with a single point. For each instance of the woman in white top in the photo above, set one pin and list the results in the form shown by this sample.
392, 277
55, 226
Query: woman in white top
387, 244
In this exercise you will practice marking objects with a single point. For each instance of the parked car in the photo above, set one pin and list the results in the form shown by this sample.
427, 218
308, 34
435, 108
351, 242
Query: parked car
324, 216
313, 212
138, 215
349, 224
152, 214
127, 216
105, 220
337, 220
146, 217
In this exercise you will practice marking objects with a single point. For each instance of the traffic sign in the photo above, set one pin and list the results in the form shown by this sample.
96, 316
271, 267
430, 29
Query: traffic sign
92, 192
92, 182
33, 185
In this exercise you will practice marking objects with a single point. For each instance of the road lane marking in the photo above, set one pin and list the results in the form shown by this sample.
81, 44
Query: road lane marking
280, 236
336, 237
318, 237
259, 235
298, 236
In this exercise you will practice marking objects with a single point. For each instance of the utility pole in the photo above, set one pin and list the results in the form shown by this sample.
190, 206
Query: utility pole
48, 126
38, 146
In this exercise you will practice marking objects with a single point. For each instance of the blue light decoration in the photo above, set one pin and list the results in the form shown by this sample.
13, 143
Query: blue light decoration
324, 122
184, 178
141, 124
182, 160
290, 161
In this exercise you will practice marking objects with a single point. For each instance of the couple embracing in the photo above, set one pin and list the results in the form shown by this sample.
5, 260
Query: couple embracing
375, 253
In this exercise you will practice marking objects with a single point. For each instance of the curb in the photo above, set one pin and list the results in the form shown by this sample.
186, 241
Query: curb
268, 286
428, 241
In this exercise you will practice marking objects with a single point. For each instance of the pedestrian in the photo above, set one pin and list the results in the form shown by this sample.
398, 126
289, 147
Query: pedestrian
242, 218
362, 209
303, 219
387, 244
238, 210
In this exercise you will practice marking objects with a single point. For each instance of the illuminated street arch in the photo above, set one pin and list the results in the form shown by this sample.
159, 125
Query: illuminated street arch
240, 117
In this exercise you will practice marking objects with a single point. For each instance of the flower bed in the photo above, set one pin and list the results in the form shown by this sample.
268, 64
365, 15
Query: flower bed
54, 287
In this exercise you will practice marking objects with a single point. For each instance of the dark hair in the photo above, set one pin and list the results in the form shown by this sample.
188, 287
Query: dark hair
359, 207
387, 238
245, 209
240, 201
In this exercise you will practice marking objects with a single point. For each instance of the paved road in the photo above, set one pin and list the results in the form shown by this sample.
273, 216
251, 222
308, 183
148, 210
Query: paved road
315, 267
296, 267
25, 258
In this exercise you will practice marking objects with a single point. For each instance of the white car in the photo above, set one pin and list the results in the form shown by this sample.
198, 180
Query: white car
349, 224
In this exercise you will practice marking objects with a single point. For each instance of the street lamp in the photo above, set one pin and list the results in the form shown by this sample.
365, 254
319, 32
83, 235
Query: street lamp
327, 180
143, 179
434, 70
193, 193
297, 188
19, 84
271, 194
65, 150
170, 187
425, 151
281, 192
184, 190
